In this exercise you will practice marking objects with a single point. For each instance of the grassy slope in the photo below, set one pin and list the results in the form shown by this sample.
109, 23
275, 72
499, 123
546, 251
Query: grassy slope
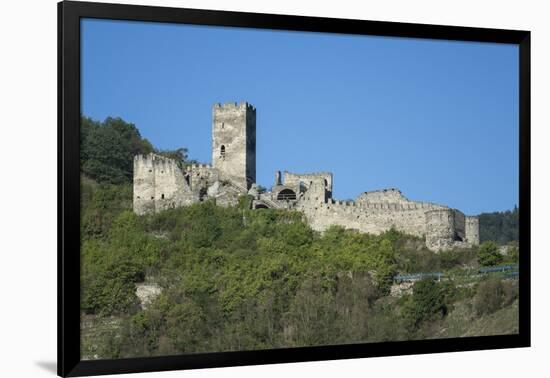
461, 322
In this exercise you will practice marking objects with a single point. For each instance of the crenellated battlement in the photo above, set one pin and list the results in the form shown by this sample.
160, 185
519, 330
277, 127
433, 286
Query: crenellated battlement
198, 167
235, 105
152, 159
393, 206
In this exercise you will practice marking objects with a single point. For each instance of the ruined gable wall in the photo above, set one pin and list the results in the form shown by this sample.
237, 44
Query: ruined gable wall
200, 176
295, 178
317, 192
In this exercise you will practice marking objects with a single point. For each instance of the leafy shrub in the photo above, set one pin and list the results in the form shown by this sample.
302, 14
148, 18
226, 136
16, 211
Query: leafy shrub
489, 296
428, 301
488, 254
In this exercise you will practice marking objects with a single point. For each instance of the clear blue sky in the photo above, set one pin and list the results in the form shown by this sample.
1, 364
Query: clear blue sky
437, 119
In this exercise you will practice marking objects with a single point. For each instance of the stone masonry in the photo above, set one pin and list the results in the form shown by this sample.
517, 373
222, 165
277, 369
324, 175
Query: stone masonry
159, 183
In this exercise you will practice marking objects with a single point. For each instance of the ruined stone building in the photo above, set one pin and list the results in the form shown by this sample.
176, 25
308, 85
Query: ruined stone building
159, 183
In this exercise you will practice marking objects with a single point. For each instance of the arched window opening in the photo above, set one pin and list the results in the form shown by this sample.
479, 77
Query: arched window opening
222, 152
286, 194
162, 196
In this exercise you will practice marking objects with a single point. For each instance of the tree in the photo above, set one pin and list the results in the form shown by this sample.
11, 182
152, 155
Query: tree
179, 155
428, 301
185, 325
500, 227
488, 254
108, 149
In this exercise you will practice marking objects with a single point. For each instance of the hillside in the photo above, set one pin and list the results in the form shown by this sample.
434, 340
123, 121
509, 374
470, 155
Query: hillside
234, 278
501, 227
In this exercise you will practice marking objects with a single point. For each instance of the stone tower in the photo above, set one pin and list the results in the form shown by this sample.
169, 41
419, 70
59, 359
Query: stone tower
472, 230
234, 142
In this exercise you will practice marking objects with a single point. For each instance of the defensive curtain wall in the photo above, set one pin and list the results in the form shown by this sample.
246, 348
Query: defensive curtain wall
373, 212
160, 183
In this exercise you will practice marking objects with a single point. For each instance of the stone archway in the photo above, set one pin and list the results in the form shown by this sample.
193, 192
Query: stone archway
286, 194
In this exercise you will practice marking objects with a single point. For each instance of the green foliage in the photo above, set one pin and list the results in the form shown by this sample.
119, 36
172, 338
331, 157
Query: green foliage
185, 322
489, 296
179, 155
488, 254
245, 202
238, 279
100, 204
107, 149
234, 279
512, 255
500, 227
115, 252
428, 301
457, 258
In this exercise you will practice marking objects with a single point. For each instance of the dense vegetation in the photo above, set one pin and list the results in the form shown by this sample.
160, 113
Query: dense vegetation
107, 150
240, 279
500, 227
234, 278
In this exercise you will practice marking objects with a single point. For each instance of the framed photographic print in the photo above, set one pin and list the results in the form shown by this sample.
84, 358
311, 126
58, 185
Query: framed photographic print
239, 188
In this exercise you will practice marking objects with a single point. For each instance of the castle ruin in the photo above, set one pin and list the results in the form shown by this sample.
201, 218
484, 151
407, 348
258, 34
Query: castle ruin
159, 184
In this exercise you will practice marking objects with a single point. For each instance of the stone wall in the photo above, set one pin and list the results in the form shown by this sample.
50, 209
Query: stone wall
460, 225
472, 230
440, 228
200, 176
378, 211
385, 195
373, 218
159, 184
296, 178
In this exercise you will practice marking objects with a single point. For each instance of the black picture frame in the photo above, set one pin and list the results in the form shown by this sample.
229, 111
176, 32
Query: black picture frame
69, 15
